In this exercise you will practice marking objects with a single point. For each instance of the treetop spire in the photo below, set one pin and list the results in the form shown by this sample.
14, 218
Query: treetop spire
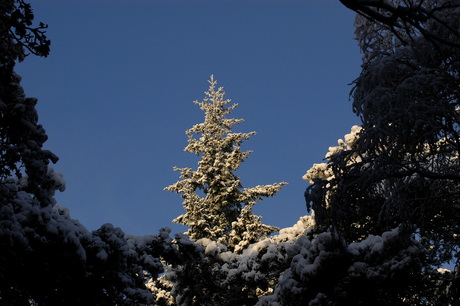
217, 206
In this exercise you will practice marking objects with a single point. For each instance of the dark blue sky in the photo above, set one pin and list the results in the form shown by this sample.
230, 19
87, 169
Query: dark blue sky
116, 96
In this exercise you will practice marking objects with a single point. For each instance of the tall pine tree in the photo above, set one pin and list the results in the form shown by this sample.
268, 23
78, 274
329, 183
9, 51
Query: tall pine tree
216, 204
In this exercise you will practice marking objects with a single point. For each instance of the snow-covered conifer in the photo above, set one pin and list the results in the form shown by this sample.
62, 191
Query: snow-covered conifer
326, 270
226, 278
48, 258
402, 169
216, 204
219, 214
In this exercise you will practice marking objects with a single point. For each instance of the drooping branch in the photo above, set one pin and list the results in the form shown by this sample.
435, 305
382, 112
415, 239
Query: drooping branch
411, 15
384, 11
18, 36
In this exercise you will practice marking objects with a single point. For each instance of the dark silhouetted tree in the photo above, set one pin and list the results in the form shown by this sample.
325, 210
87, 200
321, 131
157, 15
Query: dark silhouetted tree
47, 257
400, 168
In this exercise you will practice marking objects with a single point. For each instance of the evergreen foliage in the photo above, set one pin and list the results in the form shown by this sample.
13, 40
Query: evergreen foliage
326, 270
226, 278
385, 203
46, 255
216, 204
219, 212
400, 168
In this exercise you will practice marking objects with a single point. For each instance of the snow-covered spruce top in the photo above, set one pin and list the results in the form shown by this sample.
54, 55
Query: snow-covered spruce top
216, 204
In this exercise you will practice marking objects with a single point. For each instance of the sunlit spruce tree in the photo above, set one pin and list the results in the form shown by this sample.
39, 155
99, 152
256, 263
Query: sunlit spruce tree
216, 204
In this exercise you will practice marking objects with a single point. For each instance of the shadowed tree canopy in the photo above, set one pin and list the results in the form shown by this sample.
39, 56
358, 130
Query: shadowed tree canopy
400, 167
21, 136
